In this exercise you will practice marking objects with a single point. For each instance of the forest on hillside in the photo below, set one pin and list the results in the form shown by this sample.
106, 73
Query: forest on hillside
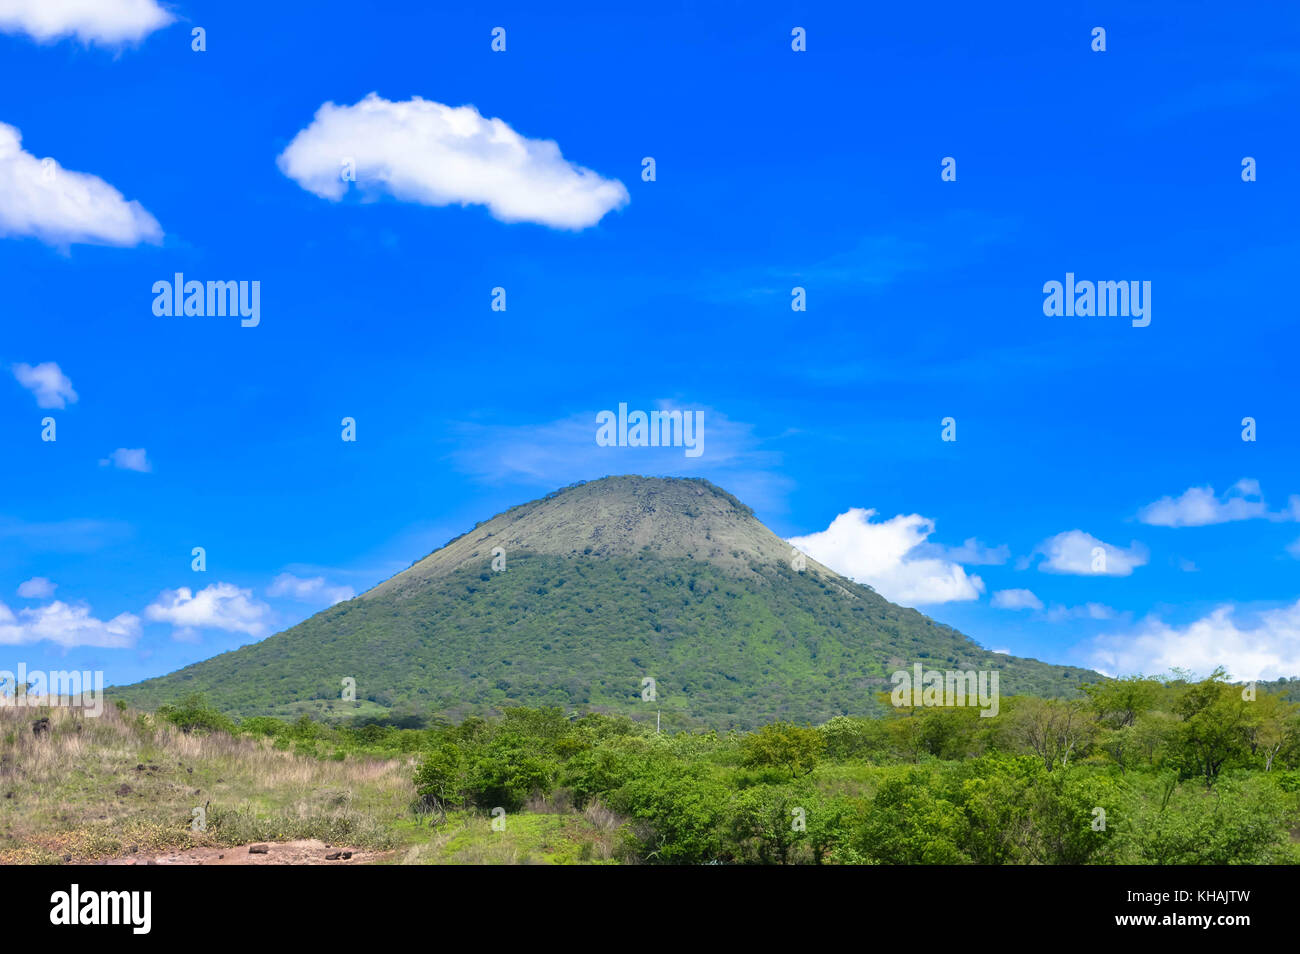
726, 650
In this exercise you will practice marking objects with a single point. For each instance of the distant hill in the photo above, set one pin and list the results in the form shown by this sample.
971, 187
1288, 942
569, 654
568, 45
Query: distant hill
605, 583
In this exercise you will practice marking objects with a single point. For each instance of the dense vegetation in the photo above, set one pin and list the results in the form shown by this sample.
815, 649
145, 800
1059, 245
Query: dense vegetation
1132, 771
726, 650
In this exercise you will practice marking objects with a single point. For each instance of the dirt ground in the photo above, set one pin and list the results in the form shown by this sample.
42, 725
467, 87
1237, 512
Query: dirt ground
306, 851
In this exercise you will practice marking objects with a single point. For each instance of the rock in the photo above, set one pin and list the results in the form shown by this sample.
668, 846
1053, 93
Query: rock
347, 855
259, 849
133, 849
124, 789
140, 768
219, 857
333, 856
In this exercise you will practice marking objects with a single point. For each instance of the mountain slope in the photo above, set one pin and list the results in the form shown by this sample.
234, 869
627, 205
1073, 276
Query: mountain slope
605, 583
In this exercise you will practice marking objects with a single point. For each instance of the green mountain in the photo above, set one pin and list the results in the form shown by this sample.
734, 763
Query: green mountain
604, 584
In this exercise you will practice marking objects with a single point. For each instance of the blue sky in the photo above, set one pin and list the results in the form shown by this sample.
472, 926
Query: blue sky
774, 169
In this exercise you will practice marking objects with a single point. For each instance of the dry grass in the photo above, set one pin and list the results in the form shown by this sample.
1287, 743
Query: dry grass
97, 787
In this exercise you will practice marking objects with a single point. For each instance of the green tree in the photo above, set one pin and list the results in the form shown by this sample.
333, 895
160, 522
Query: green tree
785, 746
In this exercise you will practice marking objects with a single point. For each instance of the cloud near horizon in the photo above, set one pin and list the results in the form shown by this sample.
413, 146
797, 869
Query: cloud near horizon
1267, 647
67, 626
425, 152
889, 557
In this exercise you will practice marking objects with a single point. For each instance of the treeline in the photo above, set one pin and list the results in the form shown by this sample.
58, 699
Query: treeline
1135, 771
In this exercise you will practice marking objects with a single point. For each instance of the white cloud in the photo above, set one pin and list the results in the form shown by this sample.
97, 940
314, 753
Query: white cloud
40, 198
110, 22
881, 555
67, 626
422, 151
1016, 600
50, 385
309, 590
1200, 507
217, 606
1294, 549
1266, 648
37, 588
125, 458
1072, 552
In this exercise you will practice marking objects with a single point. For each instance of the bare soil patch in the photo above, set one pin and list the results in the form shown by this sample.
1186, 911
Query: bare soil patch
305, 851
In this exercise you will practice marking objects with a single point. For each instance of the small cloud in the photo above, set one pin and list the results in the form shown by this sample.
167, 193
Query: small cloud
37, 588
424, 152
110, 22
312, 590
221, 606
1200, 507
50, 385
40, 199
1001, 652
1186, 565
885, 556
1294, 549
1075, 552
1016, 600
128, 459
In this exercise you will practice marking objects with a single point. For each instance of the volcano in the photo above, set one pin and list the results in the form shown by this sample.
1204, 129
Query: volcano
634, 595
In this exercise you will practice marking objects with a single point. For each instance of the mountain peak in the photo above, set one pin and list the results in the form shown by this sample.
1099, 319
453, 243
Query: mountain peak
614, 516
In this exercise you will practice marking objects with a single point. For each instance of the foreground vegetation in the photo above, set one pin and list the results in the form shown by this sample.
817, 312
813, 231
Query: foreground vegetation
1133, 771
